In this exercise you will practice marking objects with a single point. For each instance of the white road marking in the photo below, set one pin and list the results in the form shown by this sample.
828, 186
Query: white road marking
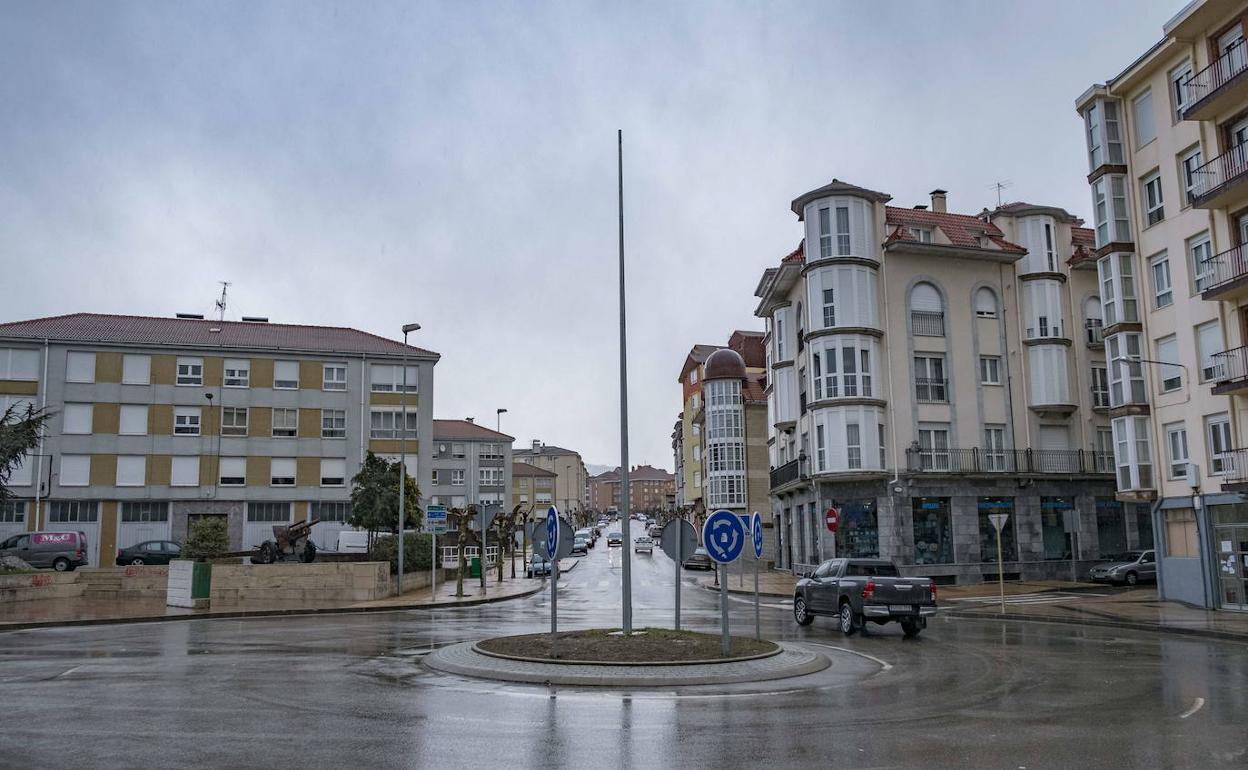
883, 663
1196, 706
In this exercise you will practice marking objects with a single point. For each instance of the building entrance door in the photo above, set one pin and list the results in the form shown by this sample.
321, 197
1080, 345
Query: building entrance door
1232, 542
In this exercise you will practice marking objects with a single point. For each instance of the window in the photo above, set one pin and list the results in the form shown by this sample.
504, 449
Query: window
990, 370
190, 371
1168, 352
933, 533
233, 421
490, 477
985, 303
458, 451
75, 470
282, 472
186, 421
1208, 345
780, 342
834, 242
1176, 448
1178, 89
853, 445
929, 378
1188, 163
233, 471
883, 456
1133, 452
79, 367
841, 369
339, 512
921, 234
1163, 293
1200, 262
1053, 534
829, 307
388, 423
131, 471
136, 369
927, 316
1109, 210
994, 448
1142, 111
1092, 122
237, 373
335, 377
385, 378
285, 423
1118, 300
457, 478
133, 420
66, 511
286, 375
1154, 206
76, 419
1100, 387
820, 449
184, 472
271, 513
1218, 431
12, 512
934, 447
19, 364
1182, 540
693, 376
988, 533
333, 423
333, 472
1126, 372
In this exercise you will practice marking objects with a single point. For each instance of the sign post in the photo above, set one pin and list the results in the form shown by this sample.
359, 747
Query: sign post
998, 521
723, 536
1070, 518
552, 551
436, 523
756, 535
678, 540
833, 520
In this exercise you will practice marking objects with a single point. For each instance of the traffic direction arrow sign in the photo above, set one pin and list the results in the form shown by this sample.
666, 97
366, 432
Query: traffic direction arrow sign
756, 534
723, 536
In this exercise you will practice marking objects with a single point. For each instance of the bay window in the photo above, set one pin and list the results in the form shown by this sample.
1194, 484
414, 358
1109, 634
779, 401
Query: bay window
1126, 373
1133, 453
1118, 295
841, 367
1109, 210
1103, 134
842, 295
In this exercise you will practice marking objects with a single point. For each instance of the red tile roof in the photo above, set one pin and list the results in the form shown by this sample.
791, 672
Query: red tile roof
797, 256
1085, 236
749, 344
462, 429
755, 389
192, 332
961, 229
638, 473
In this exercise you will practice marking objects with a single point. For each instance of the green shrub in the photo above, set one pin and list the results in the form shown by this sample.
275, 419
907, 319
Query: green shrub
417, 552
208, 539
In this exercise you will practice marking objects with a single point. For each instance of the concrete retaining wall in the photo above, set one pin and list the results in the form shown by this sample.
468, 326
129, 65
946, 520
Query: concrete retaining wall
40, 585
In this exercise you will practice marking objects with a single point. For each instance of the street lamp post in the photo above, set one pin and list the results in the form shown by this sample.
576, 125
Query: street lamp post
511, 544
407, 329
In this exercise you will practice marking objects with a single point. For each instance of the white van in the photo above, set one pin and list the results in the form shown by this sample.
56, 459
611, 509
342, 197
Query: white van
352, 541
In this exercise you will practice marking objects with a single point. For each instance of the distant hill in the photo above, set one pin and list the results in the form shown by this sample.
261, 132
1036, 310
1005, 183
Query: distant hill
594, 470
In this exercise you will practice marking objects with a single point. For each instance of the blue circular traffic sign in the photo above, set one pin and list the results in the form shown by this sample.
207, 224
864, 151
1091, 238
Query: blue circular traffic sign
723, 536
552, 533
756, 534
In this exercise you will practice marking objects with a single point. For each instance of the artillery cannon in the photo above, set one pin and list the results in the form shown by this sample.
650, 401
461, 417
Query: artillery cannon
290, 543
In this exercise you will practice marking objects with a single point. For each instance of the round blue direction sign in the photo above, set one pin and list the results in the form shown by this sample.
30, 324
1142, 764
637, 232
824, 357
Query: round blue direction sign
552, 533
756, 534
723, 536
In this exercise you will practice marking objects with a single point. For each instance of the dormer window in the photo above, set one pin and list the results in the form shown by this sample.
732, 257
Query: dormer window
921, 234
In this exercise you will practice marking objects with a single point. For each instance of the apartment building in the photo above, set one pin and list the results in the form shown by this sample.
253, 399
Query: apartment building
572, 482
1166, 158
687, 439
532, 487
158, 421
929, 369
470, 464
648, 489
678, 458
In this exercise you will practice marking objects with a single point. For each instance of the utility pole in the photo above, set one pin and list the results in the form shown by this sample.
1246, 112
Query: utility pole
221, 302
626, 584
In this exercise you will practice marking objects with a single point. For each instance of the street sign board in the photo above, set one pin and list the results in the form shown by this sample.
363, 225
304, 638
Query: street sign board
833, 519
756, 534
998, 520
436, 519
485, 515
678, 540
552, 532
723, 536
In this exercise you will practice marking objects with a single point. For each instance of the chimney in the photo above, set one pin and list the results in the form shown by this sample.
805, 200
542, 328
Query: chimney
537, 445
468, 419
938, 200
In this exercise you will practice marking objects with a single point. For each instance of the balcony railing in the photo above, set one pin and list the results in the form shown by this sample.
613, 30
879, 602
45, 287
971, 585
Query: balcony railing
1094, 332
1221, 71
978, 460
1045, 331
1234, 466
1229, 366
1210, 178
1222, 268
932, 389
788, 473
927, 323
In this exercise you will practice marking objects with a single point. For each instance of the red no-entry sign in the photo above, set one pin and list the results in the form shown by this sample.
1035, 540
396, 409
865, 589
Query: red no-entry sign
832, 518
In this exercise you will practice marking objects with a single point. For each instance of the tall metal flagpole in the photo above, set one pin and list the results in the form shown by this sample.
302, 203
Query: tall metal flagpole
626, 585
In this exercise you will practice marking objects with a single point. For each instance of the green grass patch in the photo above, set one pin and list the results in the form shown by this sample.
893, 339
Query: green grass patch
646, 645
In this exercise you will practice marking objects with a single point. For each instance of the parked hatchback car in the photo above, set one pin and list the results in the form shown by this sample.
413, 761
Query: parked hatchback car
1130, 568
62, 551
643, 544
580, 545
149, 552
699, 560
538, 565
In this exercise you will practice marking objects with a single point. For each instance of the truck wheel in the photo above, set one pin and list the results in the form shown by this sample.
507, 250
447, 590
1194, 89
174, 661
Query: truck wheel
911, 627
309, 553
61, 564
801, 613
268, 553
1132, 579
849, 619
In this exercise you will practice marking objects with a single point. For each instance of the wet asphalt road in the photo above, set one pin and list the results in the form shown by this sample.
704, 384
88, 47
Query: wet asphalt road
348, 691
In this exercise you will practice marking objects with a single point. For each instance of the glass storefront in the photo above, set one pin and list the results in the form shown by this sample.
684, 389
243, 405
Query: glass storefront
1143, 525
859, 534
988, 533
1053, 527
933, 532
1230, 539
1111, 528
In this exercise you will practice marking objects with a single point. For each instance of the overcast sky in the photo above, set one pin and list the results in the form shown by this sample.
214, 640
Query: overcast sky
453, 163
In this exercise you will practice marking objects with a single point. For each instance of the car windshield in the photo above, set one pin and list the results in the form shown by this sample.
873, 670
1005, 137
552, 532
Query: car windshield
1127, 556
700, 552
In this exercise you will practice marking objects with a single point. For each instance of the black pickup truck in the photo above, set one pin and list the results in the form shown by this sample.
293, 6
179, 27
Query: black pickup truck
859, 590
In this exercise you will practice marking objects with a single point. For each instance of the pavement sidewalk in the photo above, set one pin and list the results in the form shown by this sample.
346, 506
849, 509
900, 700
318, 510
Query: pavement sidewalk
774, 583
79, 611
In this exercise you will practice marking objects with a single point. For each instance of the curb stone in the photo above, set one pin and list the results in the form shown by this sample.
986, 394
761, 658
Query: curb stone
1157, 628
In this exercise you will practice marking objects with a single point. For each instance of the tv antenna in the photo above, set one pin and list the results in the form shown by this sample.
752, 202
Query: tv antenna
999, 186
225, 285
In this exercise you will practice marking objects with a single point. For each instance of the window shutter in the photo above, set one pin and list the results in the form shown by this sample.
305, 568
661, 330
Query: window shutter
924, 297
1054, 437
985, 301
859, 227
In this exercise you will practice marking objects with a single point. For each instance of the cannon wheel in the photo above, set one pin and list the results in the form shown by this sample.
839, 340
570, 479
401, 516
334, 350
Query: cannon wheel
268, 553
309, 552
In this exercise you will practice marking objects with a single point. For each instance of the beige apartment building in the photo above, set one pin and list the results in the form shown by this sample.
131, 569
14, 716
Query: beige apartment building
158, 421
532, 488
1167, 156
572, 482
928, 369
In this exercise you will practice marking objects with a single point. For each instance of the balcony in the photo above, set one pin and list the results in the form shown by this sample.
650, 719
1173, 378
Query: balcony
1229, 371
1094, 333
927, 323
988, 461
1224, 276
1234, 470
1220, 84
789, 474
1046, 332
1214, 183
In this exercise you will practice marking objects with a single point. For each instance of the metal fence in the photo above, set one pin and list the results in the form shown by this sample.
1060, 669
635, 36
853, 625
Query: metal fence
927, 323
1221, 268
979, 460
787, 473
1219, 72
1215, 174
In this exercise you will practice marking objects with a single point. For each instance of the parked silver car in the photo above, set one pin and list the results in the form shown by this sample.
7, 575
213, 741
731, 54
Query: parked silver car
1130, 568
